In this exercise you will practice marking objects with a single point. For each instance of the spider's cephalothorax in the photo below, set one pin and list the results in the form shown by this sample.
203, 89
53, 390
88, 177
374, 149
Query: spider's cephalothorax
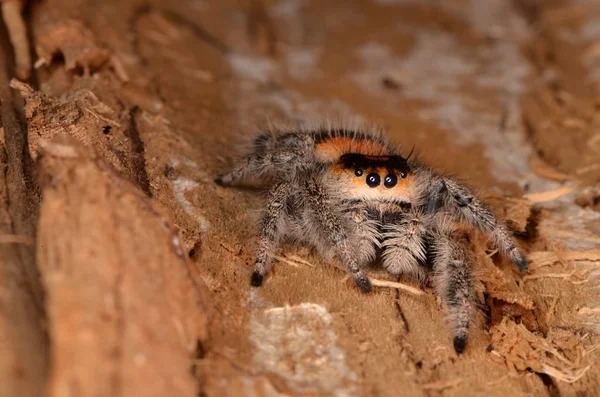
351, 195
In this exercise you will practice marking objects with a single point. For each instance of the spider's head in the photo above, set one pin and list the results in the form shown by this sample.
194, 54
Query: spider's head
382, 178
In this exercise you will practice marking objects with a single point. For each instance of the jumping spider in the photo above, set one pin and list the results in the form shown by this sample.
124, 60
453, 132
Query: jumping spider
350, 194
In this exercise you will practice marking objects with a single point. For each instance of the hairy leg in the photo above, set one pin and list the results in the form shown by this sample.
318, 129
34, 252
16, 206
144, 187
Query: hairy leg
247, 166
403, 244
334, 232
364, 232
449, 194
269, 155
269, 233
454, 284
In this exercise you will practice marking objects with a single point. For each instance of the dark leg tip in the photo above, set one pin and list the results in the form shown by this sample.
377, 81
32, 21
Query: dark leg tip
363, 283
463, 201
521, 263
257, 279
460, 342
219, 180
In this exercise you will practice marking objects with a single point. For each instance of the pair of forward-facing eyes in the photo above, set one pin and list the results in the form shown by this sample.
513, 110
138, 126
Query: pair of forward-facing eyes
373, 179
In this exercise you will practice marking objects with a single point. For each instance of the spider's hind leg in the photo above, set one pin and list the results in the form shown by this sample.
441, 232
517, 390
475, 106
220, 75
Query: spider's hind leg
450, 194
270, 154
252, 163
453, 282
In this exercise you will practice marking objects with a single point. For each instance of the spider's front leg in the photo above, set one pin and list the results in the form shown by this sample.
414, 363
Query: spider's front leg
334, 232
453, 282
403, 246
448, 193
269, 234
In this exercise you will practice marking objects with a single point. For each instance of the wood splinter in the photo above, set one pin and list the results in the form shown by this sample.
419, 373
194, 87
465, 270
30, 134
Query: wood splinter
393, 284
15, 25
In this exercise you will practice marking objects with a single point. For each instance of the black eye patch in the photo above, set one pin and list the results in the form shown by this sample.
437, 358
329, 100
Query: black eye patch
360, 161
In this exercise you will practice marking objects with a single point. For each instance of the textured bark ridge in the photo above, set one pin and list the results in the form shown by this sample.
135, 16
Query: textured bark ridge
124, 315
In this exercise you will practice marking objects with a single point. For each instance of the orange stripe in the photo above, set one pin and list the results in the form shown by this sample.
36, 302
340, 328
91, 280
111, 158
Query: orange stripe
332, 149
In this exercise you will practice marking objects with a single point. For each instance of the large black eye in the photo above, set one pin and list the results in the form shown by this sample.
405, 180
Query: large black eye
390, 181
358, 172
373, 179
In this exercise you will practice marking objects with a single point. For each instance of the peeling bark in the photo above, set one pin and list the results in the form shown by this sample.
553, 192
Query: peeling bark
23, 337
124, 314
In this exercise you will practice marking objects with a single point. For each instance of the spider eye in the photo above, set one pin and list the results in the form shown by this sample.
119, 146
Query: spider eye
403, 174
373, 180
358, 172
390, 181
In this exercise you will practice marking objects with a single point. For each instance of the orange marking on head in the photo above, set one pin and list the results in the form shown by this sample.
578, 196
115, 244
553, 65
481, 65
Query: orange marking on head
358, 188
357, 181
332, 149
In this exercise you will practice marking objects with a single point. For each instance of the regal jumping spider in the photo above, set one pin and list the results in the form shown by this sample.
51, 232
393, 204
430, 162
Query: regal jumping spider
350, 194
